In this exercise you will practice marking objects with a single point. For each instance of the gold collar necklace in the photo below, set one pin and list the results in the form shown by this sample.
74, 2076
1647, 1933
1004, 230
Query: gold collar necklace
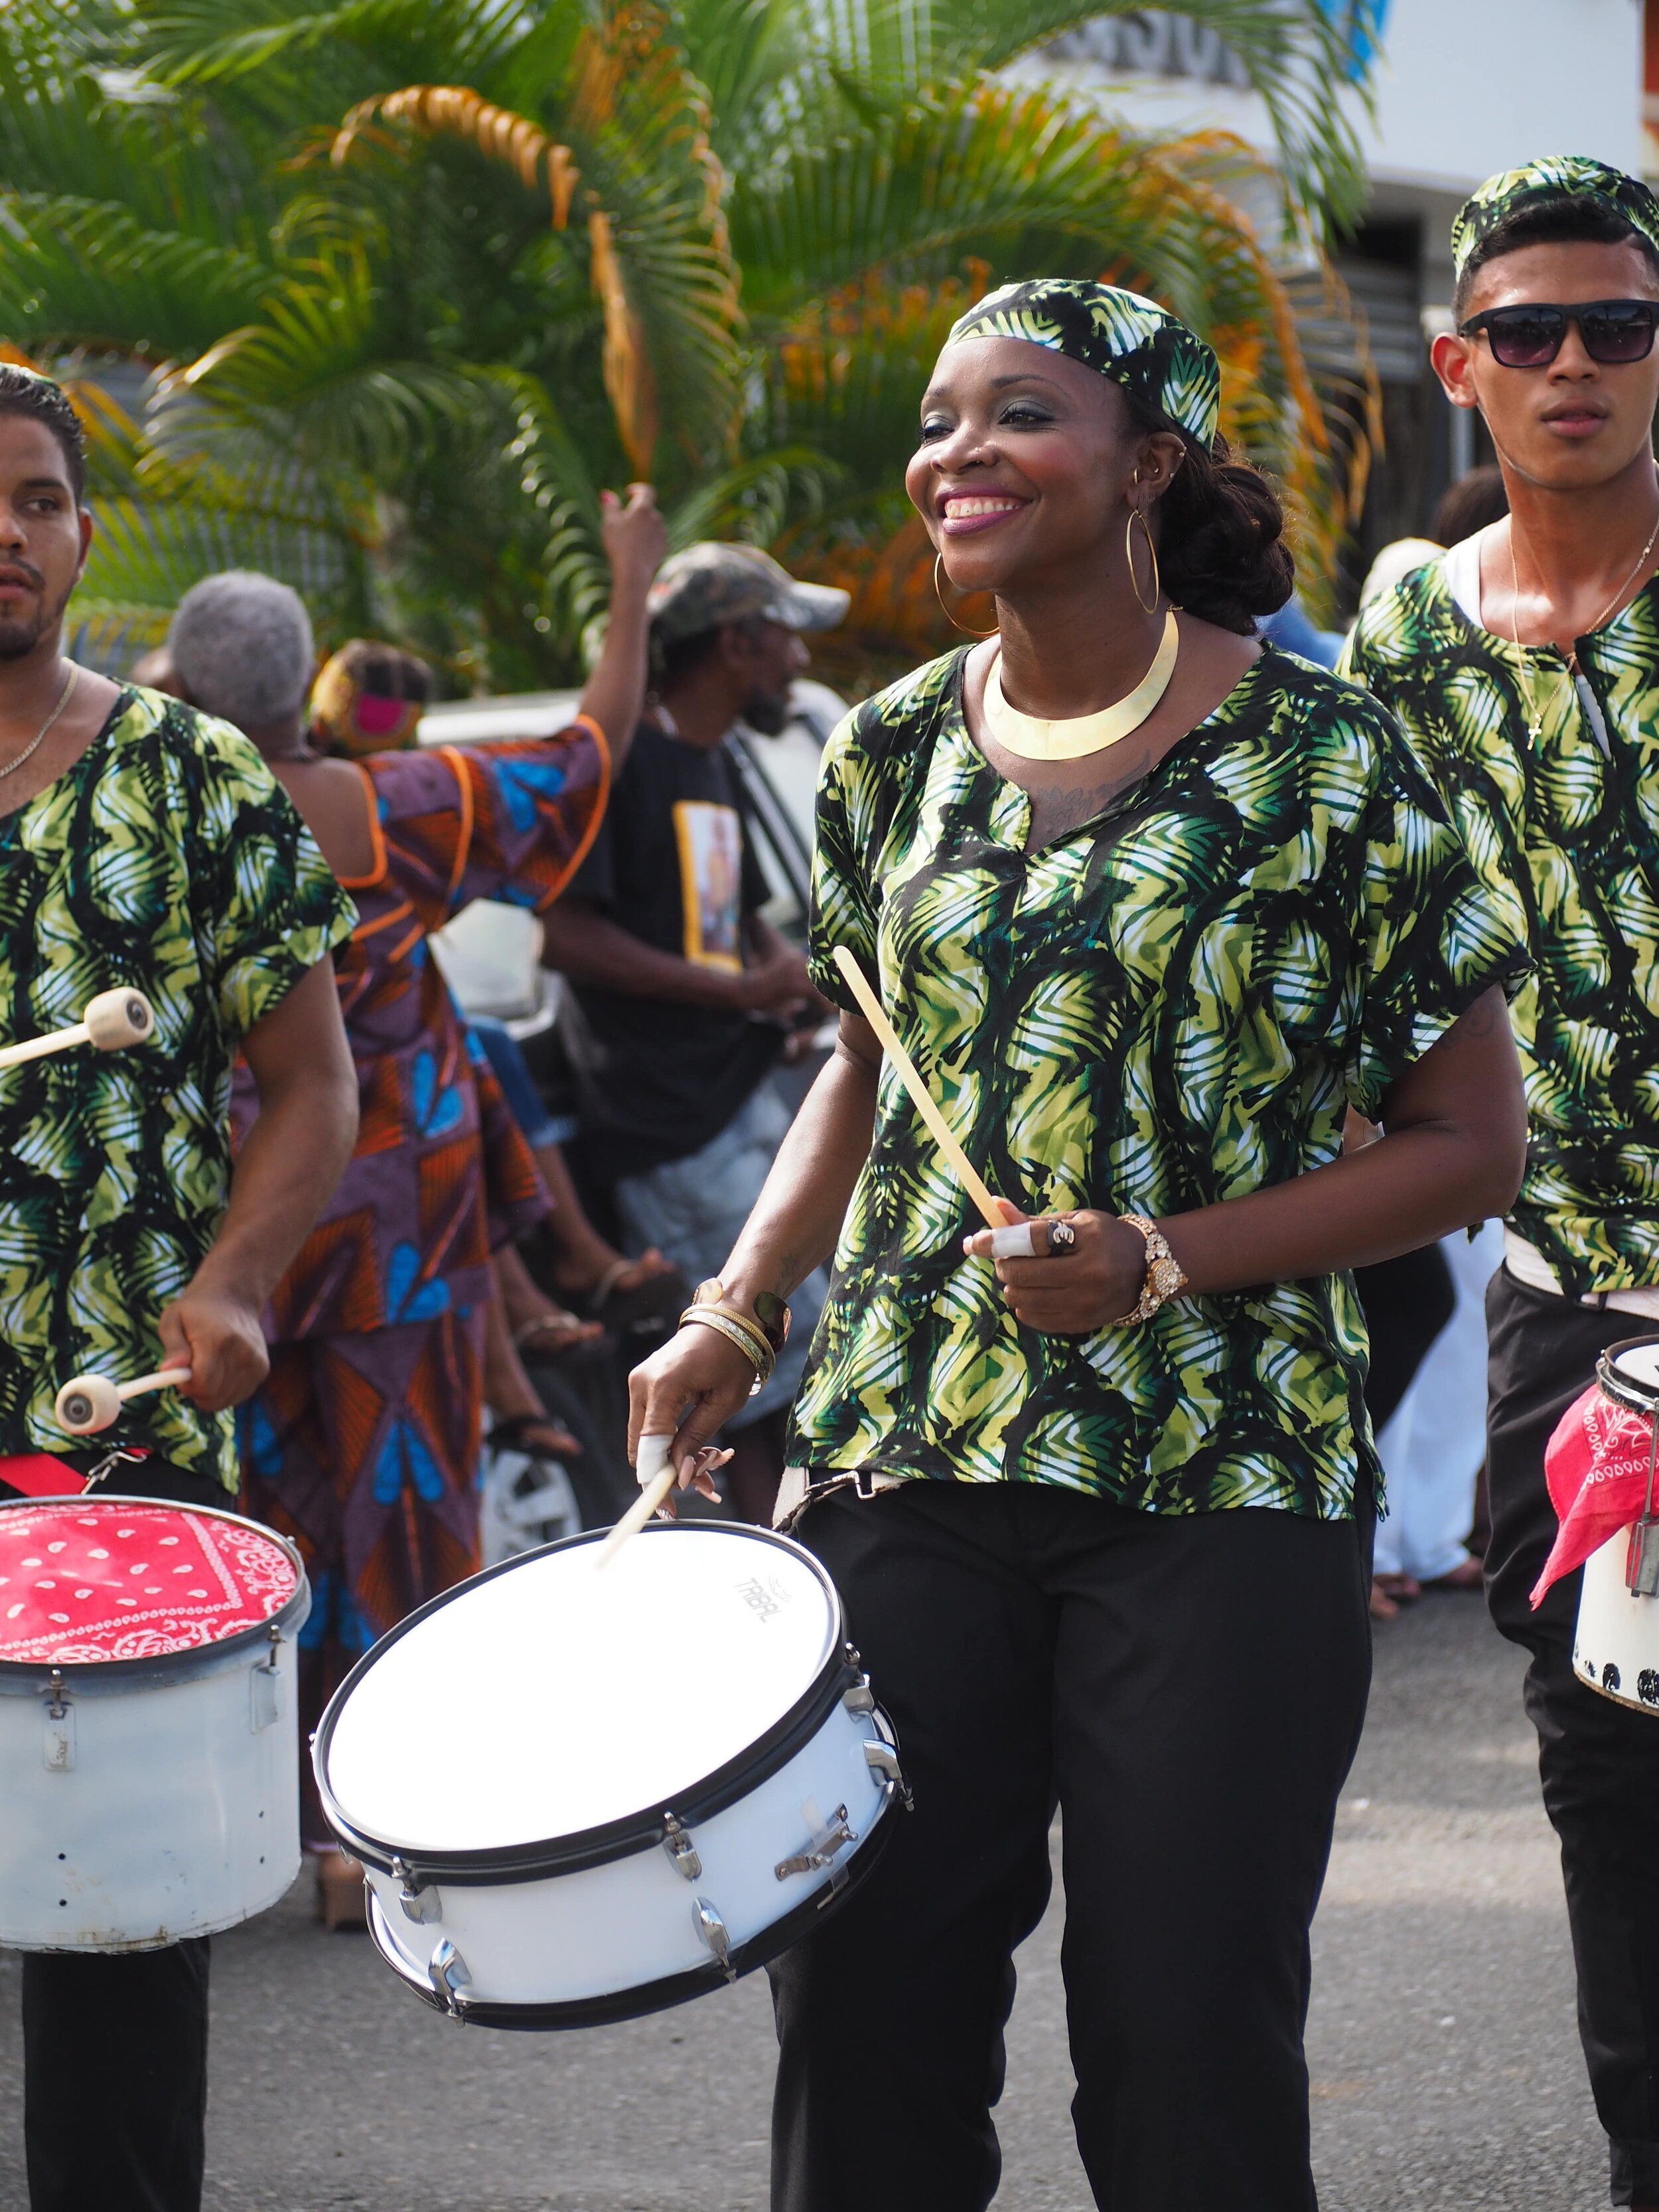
1029, 737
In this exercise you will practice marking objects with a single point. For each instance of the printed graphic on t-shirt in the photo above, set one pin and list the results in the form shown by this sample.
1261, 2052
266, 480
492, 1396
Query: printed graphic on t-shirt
710, 841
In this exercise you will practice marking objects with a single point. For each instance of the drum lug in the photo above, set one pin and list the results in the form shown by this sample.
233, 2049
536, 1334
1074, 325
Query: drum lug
822, 1851
1642, 1559
712, 1929
420, 1903
263, 1685
447, 1973
58, 1749
861, 1698
681, 1851
881, 1757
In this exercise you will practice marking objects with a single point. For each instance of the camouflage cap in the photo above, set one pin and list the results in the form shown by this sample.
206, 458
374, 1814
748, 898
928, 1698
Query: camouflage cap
1552, 177
710, 584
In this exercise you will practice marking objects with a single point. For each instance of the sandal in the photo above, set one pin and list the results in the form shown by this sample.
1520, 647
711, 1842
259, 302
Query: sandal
656, 1301
547, 1335
1383, 1607
513, 1434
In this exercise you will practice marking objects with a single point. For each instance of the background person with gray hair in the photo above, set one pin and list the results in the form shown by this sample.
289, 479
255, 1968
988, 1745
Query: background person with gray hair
363, 1444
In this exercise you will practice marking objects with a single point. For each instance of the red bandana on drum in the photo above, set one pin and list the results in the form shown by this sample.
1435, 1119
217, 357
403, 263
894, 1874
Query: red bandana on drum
1597, 1467
94, 1580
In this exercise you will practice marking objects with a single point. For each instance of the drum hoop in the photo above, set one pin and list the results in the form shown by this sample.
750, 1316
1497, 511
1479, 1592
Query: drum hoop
119, 1677
670, 1989
490, 1866
1634, 1397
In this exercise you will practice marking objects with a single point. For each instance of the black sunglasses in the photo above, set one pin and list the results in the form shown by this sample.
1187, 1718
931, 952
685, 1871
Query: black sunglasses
1530, 337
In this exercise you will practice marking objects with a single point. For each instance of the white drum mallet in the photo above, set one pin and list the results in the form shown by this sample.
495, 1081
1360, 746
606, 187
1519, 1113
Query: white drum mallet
90, 1403
111, 1020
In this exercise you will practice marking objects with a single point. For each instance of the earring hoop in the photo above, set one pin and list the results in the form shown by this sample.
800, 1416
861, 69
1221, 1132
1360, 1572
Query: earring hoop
939, 593
1137, 514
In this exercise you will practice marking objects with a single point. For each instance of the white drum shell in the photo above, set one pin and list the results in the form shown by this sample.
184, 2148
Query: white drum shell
1616, 1645
150, 1799
633, 1922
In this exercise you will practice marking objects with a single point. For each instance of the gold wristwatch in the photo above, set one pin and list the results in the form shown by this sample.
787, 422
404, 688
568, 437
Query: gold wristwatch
1165, 1276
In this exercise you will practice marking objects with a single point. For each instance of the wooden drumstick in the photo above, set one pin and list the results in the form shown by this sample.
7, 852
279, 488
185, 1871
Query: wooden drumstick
939, 1127
658, 1468
113, 1020
88, 1403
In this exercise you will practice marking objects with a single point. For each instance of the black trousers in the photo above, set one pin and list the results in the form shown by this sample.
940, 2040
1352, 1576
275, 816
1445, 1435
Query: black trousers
1599, 1761
1189, 1690
115, 2045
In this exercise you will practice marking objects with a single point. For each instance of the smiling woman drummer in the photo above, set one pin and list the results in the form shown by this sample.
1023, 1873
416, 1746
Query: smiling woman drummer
1151, 905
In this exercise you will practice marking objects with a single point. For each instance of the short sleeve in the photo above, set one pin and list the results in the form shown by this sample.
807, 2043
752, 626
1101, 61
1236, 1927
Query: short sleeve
842, 909
510, 821
267, 904
1429, 938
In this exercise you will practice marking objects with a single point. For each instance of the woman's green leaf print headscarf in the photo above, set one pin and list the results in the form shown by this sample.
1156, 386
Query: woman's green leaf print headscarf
1133, 340
1556, 176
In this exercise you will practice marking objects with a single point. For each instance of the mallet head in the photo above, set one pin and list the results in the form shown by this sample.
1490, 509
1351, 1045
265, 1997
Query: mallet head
87, 1404
115, 1018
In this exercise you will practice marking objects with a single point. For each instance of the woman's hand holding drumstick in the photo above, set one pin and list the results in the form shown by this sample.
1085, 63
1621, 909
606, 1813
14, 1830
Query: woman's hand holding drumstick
1070, 1274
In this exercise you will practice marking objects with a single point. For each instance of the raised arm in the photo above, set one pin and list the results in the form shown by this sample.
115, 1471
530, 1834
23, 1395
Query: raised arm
636, 539
295, 1153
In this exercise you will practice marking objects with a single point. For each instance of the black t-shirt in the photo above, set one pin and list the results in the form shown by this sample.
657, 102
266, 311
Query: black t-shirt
671, 865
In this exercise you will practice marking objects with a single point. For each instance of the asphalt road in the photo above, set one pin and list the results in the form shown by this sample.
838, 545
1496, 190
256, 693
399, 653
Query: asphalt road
1445, 2062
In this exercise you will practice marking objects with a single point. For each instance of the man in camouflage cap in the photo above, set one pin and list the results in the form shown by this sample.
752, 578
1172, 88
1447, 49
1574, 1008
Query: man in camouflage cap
1524, 665
709, 586
683, 998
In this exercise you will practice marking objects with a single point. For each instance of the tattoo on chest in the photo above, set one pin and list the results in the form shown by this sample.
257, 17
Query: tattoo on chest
1057, 809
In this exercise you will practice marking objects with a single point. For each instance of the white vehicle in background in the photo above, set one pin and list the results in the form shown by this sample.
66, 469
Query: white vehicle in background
490, 955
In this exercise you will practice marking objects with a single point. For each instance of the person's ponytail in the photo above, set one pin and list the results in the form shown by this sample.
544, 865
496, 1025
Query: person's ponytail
1219, 530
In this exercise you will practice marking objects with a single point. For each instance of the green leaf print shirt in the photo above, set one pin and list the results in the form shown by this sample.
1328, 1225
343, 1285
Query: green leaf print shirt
1171, 1006
169, 857
1566, 837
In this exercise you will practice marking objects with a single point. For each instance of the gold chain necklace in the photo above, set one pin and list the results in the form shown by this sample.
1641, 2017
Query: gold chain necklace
1535, 719
40, 737
1031, 737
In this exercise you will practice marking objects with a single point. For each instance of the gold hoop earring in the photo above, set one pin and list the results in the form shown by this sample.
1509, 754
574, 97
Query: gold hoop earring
939, 593
1137, 515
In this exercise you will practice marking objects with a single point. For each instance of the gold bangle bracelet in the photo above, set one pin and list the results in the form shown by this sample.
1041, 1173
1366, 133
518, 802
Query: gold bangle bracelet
751, 1329
724, 1326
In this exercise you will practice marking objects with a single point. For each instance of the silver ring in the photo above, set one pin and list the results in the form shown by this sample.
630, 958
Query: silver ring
1062, 1240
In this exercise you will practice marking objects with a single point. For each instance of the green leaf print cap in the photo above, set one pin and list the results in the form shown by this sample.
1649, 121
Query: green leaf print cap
1552, 177
1119, 334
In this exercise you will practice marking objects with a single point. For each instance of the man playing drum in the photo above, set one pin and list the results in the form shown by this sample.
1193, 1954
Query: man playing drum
1525, 666
144, 846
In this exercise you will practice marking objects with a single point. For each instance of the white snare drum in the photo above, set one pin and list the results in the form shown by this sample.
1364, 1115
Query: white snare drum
147, 1740
583, 1795
1616, 1644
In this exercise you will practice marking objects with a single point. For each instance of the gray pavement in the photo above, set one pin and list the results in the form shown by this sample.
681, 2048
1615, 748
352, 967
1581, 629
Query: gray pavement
1444, 2058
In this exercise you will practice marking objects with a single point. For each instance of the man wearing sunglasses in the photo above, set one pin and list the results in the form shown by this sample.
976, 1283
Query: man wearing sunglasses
1525, 666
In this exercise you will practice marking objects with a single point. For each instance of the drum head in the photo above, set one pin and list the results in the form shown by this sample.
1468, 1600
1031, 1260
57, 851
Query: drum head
1629, 1373
545, 1698
101, 1580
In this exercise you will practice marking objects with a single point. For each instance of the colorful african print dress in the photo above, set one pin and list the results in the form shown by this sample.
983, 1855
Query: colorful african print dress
166, 858
363, 1444
1171, 1005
